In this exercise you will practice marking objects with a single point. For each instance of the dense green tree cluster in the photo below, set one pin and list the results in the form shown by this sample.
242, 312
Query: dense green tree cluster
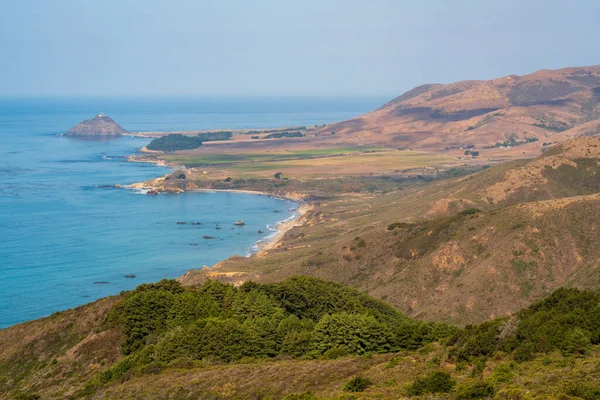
300, 317
305, 317
166, 325
568, 320
213, 136
279, 135
174, 142
477, 390
177, 141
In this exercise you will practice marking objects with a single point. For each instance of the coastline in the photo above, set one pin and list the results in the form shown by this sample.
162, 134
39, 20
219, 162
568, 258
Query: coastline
195, 276
280, 228
262, 246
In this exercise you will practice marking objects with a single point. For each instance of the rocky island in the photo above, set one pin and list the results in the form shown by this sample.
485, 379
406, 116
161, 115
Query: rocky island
101, 125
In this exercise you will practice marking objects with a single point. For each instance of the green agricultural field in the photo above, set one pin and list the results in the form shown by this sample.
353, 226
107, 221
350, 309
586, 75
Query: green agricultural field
310, 163
207, 159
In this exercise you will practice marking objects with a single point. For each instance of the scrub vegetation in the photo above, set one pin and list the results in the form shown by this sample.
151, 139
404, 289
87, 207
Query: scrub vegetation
303, 338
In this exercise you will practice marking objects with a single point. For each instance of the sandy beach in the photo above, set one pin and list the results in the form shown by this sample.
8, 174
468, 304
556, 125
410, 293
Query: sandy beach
281, 227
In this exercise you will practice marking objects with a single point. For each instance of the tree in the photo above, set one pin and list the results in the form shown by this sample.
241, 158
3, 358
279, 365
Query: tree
226, 340
189, 307
356, 333
297, 344
577, 342
145, 312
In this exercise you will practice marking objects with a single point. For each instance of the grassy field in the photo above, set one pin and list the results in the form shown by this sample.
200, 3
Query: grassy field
207, 159
545, 377
308, 163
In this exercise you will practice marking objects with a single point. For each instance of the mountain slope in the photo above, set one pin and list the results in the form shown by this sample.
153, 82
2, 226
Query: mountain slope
461, 250
220, 342
510, 111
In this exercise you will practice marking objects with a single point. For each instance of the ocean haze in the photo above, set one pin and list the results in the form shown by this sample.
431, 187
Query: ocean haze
269, 47
190, 113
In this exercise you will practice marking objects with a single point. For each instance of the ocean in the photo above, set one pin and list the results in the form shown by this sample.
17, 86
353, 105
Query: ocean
68, 237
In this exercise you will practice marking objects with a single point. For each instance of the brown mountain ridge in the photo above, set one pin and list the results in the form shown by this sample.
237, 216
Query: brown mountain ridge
529, 112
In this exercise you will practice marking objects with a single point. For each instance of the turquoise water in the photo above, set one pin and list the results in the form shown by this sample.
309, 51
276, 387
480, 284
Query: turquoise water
68, 238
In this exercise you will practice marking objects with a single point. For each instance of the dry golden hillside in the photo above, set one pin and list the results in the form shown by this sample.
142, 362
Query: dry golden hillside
461, 250
514, 111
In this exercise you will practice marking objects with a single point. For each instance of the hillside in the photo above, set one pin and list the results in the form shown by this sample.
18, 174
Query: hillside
415, 278
514, 111
303, 338
101, 125
471, 249
460, 250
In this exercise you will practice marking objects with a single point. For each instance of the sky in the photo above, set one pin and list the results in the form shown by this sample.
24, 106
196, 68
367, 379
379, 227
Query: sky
127, 48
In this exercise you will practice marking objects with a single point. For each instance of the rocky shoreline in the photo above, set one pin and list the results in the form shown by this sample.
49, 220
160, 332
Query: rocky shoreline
158, 185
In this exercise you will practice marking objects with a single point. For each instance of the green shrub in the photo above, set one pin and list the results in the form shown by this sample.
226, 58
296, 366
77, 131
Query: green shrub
435, 382
568, 320
478, 366
583, 390
479, 390
27, 396
334, 353
470, 211
357, 384
519, 225
525, 351
393, 362
513, 394
577, 342
503, 373
393, 226
182, 363
475, 341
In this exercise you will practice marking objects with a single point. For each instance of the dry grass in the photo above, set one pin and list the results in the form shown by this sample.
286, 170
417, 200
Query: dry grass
462, 269
57, 354
545, 377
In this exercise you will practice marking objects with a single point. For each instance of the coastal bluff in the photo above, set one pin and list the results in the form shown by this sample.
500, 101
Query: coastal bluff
100, 125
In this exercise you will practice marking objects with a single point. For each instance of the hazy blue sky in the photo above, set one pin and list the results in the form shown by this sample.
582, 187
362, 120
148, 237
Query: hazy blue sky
279, 47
